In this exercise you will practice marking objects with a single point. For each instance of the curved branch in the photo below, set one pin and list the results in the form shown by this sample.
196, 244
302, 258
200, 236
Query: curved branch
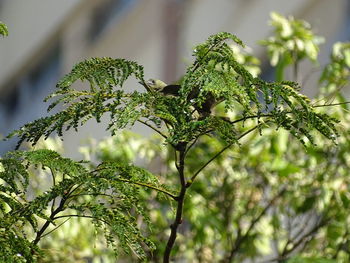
241, 238
48, 233
149, 186
217, 154
153, 128
53, 184
251, 117
330, 105
83, 216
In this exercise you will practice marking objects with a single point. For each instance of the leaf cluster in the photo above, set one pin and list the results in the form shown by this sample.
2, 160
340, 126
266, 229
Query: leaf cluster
293, 40
3, 29
108, 195
214, 77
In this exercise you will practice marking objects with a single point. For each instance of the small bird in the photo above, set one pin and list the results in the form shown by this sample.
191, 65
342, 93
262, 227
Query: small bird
159, 86
204, 109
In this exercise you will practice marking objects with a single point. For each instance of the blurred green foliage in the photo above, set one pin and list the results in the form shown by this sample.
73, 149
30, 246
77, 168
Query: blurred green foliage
3, 29
268, 198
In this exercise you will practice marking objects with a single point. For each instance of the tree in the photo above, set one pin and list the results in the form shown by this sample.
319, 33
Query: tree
240, 198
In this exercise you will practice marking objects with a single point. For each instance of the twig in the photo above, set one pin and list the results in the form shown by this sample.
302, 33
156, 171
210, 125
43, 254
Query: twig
342, 244
59, 209
295, 66
82, 216
175, 158
153, 128
217, 154
90, 194
149, 186
48, 233
53, 184
251, 117
192, 144
297, 243
332, 104
332, 95
241, 238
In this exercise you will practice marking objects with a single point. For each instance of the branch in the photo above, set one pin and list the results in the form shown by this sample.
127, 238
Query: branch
90, 194
332, 95
192, 144
83, 216
296, 243
241, 238
179, 210
331, 104
312, 231
342, 244
150, 187
48, 233
285, 254
198, 62
251, 117
217, 154
53, 184
270, 115
153, 128
59, 209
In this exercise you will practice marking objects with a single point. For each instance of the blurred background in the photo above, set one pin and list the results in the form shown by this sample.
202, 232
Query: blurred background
48, 37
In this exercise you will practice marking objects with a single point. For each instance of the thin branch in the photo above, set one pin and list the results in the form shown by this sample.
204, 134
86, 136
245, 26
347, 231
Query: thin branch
270, 115
295, 67
53, 184
59, 209
241, 239
70, 191
332, 95
82, 216
144, 84
308, 74
192, 144
342, 244
48, 233
332, 104
150, 187
141, 184
90, 194
175, 159
153, 128
219, 153
301, 240
198, 62
251, 117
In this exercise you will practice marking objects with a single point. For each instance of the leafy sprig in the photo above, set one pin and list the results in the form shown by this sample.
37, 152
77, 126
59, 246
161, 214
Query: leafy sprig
108, 195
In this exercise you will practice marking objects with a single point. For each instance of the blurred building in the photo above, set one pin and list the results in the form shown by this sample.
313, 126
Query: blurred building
48, 37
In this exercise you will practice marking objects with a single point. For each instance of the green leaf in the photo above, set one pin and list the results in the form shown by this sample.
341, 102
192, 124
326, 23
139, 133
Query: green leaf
3, 29
299, 259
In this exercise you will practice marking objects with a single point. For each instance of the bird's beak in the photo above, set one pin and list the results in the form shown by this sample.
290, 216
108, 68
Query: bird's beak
145, 85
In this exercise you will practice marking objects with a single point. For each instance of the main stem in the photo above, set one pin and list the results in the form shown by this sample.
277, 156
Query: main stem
48, 222
179, 210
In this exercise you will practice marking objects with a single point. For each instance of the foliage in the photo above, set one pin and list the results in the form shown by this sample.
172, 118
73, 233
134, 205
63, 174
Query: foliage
217, 73
227, 207
105, 194
3, 29
293, 41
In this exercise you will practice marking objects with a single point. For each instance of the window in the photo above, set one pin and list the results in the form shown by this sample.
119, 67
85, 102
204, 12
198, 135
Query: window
107, 14
23, 101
